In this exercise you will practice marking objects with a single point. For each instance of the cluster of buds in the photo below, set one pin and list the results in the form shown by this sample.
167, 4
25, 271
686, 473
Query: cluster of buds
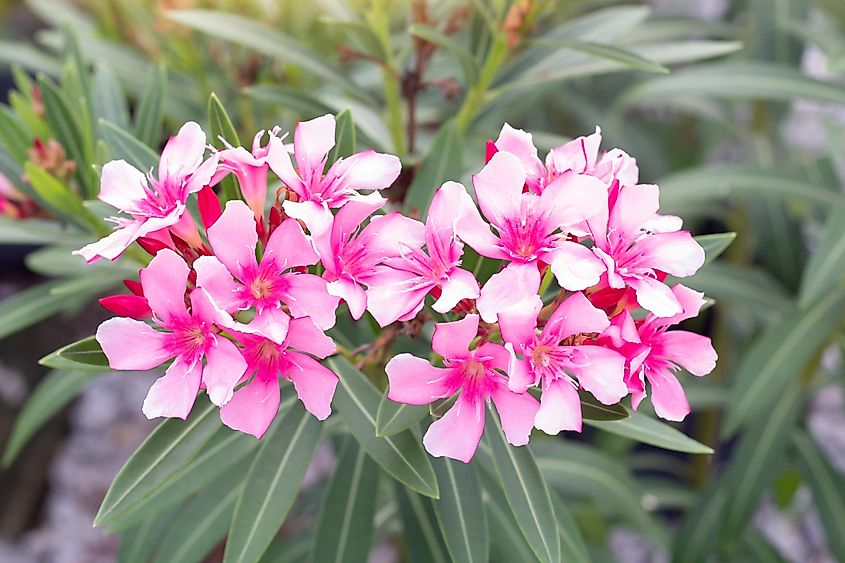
243, 297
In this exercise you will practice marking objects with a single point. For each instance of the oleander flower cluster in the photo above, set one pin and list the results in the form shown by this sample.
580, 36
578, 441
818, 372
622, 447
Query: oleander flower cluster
239, 294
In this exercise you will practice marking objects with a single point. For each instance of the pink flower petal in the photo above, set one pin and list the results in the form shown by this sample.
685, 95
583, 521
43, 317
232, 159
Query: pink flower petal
223, 369
560, 408
655, 296
111, 246
452, 340
575, 267
674, 253
233, 238
635, 206
312, 141
520, 377
498, 188
579, 155
122, 186
393, 234
460, 285
693, 352
215, 278
253, 407
367, 170
519, 323
414, 381
576, 315
517, 412
572, 198
394, 294
303, 335
132, 345
457, 433
521, 144
182, 154
273, 324
601, 372
667, 395
316, 216
350, 292
469, 225
288, 247
173, 394
307, 295
164, 283
517, 284
314, 384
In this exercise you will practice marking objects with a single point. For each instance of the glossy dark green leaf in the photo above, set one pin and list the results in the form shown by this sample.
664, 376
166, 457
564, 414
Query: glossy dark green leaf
82, 354
593, 409
400, 455
420, 529
150, 113
460, 511
527, 493
779, 355
828, 486
52, 394
344, 144
393, 417
648, 430
170, 446
125, 146
506, 540
443, 161
344, 530
138, 544
272, 484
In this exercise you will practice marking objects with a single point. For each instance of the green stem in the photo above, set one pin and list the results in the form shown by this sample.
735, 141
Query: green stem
475, 96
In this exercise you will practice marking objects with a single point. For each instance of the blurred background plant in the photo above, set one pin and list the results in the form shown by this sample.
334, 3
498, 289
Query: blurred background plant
734, 108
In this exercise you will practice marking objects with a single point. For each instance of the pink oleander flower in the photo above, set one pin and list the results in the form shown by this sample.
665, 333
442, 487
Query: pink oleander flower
319, 191
579, 155
251, 168
254, 406
189, 336
398, 290
475, 374
530, 229
638, 246
350, 254
237, 281
154, 204
561, 358
653, 353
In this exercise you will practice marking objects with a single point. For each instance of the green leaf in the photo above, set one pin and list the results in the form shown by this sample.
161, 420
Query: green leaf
39, 231
60, 199
13, 135
345, 526
109, 101
584, 472
699, 533
202, 523
714, 245
225, 448
779, 355
52, 394
170, 446
460, 511
124, 146
624, 57
262, 39
572, 545
271, 485
442, 162
393, 417
221, 126
150, 114
139, 543
527, 493
344, 145
469, 66
713, 183
400, 455
27, 307
420, 529
755, 462
740, 285
828, 486
593, 409
82, 354
506, 539
826, 266
648, 430
737, 81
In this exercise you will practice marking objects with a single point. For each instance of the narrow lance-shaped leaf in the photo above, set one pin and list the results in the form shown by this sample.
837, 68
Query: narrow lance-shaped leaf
626, 58
58, 197
828, 486
393, 417
714, 245
826, 266
460, 511
221, 127
141, 542
648, 430
400, 455
779, 355
124, 146
443, 161
345, 527
109, 101
52, 394
506, 540
171, 445
344, 145
82, 354
527, 493
271, 485
420, 529
150, 114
